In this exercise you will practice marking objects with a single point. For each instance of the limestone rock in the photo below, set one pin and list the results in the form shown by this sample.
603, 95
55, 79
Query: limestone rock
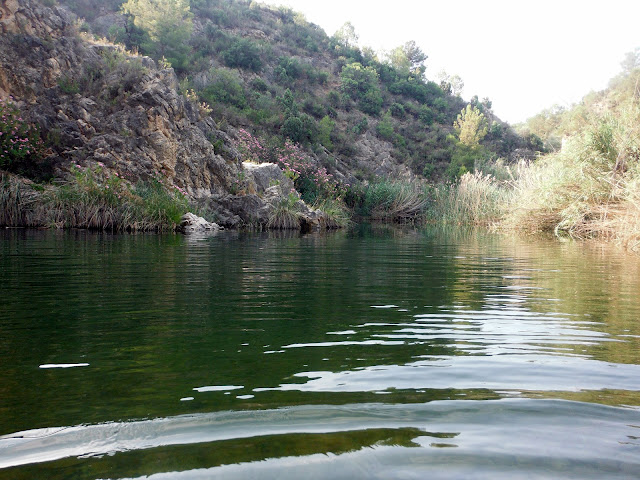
375, 155
100, 104
266, 175
191, 223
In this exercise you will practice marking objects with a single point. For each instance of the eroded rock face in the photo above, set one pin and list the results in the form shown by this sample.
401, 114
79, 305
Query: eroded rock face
261, 176
97, 104
375, 155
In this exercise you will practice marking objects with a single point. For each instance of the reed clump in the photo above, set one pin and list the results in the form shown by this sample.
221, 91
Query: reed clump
475, 199
286, 214
391, 201
91, 198
337, 215
590, 189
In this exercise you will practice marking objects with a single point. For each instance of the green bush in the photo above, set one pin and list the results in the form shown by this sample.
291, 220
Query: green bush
325, 129
68, 85
20, 142
225, 87
361, 126
361, 84
384, 129
371, 102
291, 66
313, 108
300, 128
426, 115
397, 110
293, 128
259, 85
243, 53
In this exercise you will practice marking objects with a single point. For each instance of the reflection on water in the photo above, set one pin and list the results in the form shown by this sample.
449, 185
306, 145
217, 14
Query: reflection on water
362, 354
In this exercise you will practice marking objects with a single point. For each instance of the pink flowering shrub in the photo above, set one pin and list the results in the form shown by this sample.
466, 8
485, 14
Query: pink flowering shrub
312, 181
19, 141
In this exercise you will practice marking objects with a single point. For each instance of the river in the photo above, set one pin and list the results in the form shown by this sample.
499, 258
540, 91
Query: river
367, 353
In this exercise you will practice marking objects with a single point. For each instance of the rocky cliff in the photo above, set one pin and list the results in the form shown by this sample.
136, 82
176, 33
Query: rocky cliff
94, 103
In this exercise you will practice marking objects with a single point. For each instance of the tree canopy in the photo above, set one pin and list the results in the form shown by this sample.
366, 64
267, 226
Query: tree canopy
471, 126
168, 23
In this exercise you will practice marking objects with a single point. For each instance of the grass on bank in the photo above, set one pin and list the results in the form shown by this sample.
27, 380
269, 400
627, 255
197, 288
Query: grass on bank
92, 198
589, 189
386, 200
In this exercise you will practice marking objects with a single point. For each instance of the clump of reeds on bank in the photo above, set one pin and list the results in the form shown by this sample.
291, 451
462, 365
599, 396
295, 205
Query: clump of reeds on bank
475, 199
286, 214
336, 213
91, 198
390, 201
590, 189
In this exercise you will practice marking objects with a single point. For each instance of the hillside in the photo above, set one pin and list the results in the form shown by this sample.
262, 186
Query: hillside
221, 82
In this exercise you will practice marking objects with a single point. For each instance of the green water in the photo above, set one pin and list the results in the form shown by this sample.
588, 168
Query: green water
373, 353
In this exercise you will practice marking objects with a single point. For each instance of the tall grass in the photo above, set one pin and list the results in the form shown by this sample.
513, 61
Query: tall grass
589, 189
388, 200
286, 214
20, 203
476, 199
336, 213
91, 198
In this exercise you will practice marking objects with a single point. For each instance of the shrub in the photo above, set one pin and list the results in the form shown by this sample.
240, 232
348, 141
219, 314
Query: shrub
397, 110
291, 67
384, 129
361, 126
19, 141
68, 85
243, 53
293, 128
311, 180
325, 128
259, 85
361, 84
313, 108
225, 87
371, 102
426, 115
333, 97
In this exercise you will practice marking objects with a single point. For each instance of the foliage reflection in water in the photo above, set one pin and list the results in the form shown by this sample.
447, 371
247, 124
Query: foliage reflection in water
399, 353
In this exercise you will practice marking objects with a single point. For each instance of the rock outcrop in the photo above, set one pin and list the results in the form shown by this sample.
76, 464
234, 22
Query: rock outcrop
191, 223
94, 102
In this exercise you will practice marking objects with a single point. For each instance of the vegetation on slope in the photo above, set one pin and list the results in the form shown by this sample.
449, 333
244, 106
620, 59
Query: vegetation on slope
589, 187
285, 78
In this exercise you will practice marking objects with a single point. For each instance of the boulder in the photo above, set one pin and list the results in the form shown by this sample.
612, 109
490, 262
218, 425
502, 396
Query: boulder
191, 223
266, 175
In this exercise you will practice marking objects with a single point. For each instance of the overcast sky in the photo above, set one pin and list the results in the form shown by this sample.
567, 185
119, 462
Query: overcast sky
523, 55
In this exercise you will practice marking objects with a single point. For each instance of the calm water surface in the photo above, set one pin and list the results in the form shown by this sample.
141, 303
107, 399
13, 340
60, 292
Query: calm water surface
375, 353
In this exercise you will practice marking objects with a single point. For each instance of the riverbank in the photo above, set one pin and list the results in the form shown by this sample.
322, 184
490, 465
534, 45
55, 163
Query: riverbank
544, 197
99, 199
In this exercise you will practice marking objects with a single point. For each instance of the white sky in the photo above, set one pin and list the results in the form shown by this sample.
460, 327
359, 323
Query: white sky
524, 55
